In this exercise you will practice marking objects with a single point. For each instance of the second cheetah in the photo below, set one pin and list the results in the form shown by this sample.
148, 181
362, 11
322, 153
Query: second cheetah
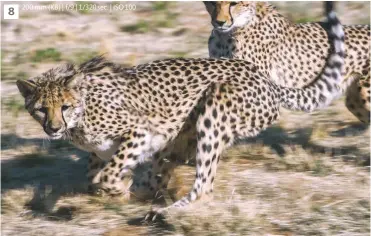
292, 54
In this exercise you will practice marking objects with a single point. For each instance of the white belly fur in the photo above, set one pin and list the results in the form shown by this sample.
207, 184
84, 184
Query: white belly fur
106, 148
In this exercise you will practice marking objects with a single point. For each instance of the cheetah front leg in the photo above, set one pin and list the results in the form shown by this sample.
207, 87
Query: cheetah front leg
154, 176
135, 147
181, 151
94, 166
154, 180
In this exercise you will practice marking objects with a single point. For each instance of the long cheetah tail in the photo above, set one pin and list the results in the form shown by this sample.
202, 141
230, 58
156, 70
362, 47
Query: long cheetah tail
326, 87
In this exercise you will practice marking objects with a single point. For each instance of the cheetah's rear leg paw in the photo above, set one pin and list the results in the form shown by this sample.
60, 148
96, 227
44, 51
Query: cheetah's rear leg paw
156, 214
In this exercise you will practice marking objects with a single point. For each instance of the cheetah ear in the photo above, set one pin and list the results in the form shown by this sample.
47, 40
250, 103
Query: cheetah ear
26, 87
74, 81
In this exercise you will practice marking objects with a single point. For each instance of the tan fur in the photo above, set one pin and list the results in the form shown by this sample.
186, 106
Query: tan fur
292, 54
168, 111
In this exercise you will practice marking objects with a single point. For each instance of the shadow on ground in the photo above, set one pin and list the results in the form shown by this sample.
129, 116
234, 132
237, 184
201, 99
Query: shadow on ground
52, 172
353, 129
277, 139
59, 170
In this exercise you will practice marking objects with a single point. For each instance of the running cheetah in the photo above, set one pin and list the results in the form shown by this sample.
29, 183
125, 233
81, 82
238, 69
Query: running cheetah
124, 116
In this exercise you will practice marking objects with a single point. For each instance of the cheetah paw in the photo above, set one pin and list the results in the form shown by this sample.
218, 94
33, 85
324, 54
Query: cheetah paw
94, 190
156, 215
117, 187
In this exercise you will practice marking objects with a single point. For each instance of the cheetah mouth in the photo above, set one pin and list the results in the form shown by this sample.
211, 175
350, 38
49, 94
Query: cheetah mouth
56, 136
223, 29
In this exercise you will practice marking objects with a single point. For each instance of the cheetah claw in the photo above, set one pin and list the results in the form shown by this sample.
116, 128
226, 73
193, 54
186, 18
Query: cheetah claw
154, 215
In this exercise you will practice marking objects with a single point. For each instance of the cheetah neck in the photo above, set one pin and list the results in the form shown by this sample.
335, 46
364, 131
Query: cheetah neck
85, 135
254, 42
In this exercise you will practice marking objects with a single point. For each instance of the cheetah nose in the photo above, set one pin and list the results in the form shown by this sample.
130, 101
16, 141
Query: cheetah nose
220, 23
54, 129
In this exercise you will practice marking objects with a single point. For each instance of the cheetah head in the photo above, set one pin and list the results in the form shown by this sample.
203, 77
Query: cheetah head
53, 99
226, 16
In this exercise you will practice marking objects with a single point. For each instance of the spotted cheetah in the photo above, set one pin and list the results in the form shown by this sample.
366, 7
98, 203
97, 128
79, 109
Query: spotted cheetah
125, 116
292, 54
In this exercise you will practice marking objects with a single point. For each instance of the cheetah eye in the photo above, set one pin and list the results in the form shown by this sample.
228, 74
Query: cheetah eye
42, 109
233, 4
65, 107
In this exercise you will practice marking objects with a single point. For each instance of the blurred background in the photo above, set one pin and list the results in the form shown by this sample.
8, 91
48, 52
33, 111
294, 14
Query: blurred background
307, 175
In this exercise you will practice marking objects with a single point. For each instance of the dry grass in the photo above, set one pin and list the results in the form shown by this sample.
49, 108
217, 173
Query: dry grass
307, 175
288, 188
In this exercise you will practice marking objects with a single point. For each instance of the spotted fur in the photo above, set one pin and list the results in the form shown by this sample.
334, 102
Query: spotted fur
164, 109
291, 54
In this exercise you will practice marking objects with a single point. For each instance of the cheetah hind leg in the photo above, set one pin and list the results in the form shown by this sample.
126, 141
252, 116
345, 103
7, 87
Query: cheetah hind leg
213, 136
228, 114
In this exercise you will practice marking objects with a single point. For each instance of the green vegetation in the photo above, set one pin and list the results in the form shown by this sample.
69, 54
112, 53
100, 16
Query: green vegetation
49, 54
160, 6
13, 105
139, 27
162, 17
82, 56
167, 20
178, 54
